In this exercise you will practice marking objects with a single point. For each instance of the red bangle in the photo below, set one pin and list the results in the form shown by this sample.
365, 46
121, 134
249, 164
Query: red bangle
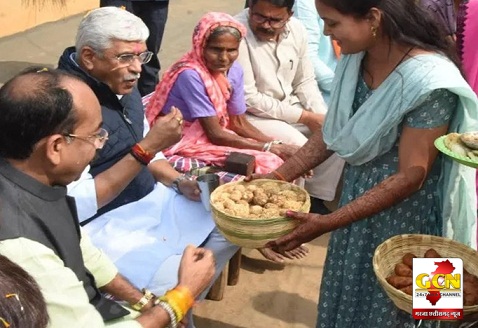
141, 155
278, 175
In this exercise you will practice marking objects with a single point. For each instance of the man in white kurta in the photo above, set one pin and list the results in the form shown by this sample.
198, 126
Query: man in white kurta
136, 208
282, 95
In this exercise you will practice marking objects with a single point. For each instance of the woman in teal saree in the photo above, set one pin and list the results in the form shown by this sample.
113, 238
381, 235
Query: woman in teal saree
395, 91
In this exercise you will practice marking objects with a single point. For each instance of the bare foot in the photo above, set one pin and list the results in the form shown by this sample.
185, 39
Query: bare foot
296, 253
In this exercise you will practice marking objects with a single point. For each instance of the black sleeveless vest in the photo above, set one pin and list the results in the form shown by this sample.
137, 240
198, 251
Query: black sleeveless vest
45, 214
124, 120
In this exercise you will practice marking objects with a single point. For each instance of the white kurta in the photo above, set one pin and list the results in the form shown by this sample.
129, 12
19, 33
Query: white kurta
279, 83
140, 236
145, 239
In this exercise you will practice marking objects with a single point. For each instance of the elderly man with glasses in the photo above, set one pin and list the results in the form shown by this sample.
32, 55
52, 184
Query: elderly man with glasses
282, 95
135, 206
154, 13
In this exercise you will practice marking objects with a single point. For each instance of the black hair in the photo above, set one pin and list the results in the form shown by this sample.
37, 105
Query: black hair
277, 3
21, 301
404, 22
33, 105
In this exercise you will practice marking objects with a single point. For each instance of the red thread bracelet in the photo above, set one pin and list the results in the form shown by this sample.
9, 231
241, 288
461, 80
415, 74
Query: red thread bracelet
141, 155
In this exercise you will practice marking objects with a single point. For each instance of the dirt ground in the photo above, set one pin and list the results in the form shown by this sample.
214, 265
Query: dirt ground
269, 294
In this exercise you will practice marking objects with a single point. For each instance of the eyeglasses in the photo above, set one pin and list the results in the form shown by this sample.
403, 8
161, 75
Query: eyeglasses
128, 59
99, 139
273, 22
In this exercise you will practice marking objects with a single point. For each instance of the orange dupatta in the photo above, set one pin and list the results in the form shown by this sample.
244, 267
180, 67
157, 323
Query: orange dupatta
195, 142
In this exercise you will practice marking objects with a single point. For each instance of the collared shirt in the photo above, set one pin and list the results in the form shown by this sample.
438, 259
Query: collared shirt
65, 296
279, 79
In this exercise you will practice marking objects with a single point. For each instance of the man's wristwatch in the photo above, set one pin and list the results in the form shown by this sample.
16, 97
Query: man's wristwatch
175, 184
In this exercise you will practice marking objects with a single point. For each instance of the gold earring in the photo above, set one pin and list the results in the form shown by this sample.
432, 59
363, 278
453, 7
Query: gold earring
374, 31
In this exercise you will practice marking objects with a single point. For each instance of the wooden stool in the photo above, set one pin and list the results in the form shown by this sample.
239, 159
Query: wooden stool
229, 276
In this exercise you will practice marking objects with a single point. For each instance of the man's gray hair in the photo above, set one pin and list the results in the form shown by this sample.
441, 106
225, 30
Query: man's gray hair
101, 26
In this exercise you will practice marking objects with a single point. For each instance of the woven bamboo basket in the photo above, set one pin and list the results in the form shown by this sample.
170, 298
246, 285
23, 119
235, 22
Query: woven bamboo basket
391, 251
254, 232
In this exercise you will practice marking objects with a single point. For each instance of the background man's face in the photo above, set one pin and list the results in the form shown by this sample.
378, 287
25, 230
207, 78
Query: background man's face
121, 77
267, 21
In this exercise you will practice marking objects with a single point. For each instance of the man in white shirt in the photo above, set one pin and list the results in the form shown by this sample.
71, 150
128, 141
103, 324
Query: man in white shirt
282, 95
137, 208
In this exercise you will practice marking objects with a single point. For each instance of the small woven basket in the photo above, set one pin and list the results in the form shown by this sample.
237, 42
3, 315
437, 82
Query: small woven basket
254, 232
391, 251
